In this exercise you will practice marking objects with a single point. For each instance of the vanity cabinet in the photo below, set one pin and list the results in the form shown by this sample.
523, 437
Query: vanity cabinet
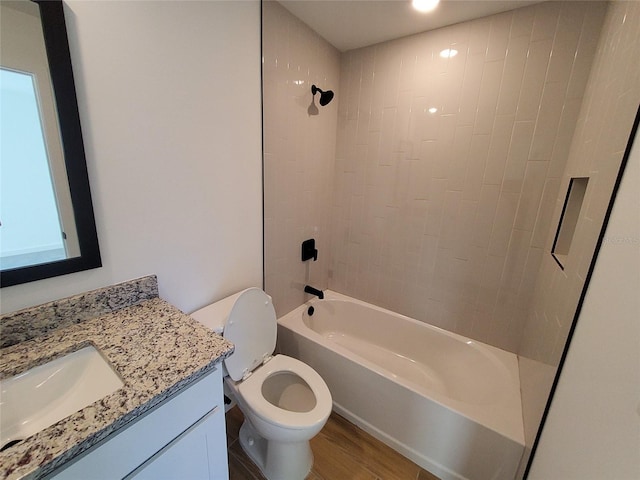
183, 437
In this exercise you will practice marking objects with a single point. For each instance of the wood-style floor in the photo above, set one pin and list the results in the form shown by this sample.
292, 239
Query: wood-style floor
341, 451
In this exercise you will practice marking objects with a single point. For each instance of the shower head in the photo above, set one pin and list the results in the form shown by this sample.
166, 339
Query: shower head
325, 97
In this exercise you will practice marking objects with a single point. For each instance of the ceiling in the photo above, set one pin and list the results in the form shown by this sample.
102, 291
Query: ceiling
349, 24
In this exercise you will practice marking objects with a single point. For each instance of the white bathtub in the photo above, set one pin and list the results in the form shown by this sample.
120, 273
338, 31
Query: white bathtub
450, 404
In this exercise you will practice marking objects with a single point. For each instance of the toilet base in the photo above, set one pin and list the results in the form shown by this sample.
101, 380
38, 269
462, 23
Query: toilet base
276, 460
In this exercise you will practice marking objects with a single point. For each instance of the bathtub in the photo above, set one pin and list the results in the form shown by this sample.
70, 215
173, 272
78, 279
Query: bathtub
448, 403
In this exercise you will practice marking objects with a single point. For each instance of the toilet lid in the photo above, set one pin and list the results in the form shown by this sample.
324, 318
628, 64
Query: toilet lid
252, 328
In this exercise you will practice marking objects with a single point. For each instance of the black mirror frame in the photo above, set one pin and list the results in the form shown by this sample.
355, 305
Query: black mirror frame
58, 54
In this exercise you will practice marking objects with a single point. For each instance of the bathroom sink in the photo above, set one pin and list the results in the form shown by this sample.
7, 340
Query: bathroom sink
38, 398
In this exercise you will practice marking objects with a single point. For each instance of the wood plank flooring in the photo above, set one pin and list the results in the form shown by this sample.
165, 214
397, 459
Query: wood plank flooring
341, 451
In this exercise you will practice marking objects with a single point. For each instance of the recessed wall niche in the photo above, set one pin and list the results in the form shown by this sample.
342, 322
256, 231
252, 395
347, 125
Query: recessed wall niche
569, 219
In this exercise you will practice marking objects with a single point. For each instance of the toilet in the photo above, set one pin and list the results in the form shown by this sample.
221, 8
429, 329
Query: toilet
284, 401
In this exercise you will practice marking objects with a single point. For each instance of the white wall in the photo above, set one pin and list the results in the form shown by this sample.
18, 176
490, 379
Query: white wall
592, 427
169, 98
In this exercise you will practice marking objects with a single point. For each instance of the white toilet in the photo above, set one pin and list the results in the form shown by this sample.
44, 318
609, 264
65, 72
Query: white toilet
284, 401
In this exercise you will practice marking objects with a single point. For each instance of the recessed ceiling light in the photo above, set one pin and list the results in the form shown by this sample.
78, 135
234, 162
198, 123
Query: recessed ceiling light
425, 5
448, 53
433, 110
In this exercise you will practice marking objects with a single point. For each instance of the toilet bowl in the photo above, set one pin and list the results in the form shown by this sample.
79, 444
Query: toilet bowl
284, 401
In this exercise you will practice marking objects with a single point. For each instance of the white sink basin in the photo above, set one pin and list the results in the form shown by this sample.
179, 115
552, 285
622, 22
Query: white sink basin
38, 398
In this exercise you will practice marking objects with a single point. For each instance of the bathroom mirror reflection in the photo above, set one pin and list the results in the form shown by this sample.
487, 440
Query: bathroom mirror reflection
434, 181
47, 226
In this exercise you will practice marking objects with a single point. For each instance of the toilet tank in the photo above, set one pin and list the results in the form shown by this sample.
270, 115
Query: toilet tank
215, 316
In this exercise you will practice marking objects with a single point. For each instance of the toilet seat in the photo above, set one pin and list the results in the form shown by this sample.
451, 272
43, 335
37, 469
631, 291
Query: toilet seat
252, 327
251, 391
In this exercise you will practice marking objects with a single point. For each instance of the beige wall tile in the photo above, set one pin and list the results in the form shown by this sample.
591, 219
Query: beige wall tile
299, 154
530, 202
542, 229
488, 99
565, 42
549, 117
503, 223
522, 23
600, 134
545, 23
447, 206
485, 214
513, 73
479, 150
534, 77
499, 36
519, 152
470, 88
469, 164
498, 150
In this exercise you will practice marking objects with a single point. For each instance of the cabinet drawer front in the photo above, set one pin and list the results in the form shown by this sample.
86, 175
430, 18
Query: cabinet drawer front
199, 453
124, 450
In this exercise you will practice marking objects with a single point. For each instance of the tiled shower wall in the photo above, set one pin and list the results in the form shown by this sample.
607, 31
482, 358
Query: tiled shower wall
299, 152
447, 169
609, 108
610, 103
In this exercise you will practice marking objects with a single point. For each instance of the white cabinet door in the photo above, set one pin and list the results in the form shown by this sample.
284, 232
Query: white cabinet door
127, 450
199, 453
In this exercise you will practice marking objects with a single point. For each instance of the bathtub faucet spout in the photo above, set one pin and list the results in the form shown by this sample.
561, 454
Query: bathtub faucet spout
314, 291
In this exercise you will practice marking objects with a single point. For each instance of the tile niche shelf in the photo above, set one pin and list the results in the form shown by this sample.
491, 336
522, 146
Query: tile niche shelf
569, 219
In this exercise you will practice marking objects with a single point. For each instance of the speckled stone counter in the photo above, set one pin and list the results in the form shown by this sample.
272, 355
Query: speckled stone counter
36, 321
156, 349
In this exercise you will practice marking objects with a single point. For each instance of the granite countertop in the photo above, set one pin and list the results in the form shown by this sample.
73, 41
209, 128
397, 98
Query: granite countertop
156, 349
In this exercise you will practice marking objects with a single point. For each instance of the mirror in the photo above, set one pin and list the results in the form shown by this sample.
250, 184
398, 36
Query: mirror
47, 225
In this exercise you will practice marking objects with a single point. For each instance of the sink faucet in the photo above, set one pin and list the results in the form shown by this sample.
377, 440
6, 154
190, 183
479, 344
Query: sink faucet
314, 291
